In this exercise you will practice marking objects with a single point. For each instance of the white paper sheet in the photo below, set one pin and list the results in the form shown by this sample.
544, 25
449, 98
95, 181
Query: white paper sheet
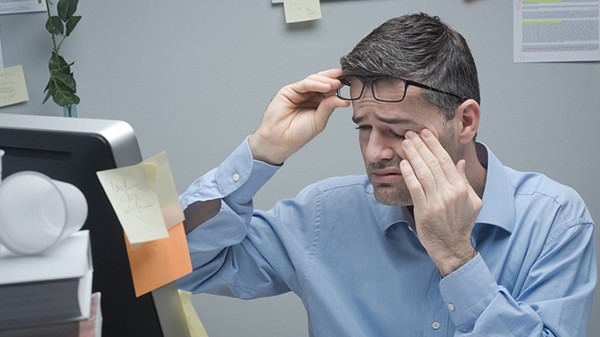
21, 6
556, 31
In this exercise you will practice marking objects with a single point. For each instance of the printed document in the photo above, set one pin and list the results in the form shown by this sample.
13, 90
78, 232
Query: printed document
555, 31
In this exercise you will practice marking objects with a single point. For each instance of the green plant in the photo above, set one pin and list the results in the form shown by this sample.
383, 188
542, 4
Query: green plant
61, 85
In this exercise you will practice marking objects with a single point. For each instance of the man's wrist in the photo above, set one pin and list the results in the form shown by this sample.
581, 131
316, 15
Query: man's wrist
453, 262
265, 151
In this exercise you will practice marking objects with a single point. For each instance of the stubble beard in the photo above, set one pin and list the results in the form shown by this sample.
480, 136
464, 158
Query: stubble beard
390, 194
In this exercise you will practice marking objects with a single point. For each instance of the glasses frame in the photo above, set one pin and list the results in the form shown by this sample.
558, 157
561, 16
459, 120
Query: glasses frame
369, 80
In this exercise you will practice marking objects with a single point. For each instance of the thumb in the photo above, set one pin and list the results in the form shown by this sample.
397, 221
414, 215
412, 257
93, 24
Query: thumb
327, 106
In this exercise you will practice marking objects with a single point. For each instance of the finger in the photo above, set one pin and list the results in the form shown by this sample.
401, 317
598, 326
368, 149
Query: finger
422, 161
443, 159
331, 73
324, 79
413, 184
326, 107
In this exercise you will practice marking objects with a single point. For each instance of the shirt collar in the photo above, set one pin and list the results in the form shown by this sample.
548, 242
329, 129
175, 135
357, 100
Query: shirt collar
388, 215
498, 197
498, 202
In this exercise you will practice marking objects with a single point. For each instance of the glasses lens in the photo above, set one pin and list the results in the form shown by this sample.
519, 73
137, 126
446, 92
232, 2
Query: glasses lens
389, 89
351, 88
386, 88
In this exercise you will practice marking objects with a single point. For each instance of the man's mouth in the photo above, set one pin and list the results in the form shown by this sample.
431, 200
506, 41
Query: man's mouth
388, 175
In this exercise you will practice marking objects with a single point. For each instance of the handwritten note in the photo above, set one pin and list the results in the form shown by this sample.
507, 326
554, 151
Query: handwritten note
301, 10
12, 86
144, 198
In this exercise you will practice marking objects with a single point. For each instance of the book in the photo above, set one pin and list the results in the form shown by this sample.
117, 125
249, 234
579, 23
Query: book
89, 327
92, 327
53, 286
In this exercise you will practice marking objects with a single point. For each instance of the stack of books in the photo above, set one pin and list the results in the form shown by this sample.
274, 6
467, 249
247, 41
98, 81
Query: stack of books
50, 294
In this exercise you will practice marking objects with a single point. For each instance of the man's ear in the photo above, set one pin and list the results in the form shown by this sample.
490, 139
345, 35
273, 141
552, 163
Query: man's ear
468, 114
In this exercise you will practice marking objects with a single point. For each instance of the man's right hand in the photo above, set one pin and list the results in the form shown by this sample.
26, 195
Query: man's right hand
297, 114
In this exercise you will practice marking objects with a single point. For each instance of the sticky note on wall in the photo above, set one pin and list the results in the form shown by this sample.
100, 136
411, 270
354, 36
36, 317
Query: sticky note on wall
156, 263
13, 88
144, 198
301, 10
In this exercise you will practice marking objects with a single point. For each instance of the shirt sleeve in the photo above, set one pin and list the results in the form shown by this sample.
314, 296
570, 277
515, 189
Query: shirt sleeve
235, 182
556, 301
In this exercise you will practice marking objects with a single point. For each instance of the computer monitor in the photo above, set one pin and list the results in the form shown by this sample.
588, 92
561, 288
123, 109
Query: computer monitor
73, 150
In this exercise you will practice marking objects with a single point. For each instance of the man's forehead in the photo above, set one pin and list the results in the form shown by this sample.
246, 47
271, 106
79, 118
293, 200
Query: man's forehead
387, 117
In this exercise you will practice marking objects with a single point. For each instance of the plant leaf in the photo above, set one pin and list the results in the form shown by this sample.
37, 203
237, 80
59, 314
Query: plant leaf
65, 82
63, 98
73, 21
62, 94
47, 91
57, 64
66, 9
54, 25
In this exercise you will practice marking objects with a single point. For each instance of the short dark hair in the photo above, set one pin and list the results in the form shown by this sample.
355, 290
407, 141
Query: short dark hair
422, 48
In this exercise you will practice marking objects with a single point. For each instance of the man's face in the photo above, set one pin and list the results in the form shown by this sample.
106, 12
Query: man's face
382, 126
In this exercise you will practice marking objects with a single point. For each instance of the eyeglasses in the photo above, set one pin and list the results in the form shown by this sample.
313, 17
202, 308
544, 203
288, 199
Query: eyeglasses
383, 88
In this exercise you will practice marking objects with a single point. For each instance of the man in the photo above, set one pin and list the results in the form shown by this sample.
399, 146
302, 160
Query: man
438, 239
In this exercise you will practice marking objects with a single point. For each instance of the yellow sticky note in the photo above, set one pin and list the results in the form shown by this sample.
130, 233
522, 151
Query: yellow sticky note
144, 198
13, 89
156, 263
161, 181
301, 10
195, 325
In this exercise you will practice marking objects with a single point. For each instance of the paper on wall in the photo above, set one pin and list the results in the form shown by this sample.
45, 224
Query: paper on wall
556, 31
144, 198
21, 6
301, 10
13, 88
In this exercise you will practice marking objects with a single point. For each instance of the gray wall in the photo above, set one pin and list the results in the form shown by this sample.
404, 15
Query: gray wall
193, 78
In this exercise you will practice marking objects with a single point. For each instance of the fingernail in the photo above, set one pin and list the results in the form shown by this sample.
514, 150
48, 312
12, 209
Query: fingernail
426, 133
410, 135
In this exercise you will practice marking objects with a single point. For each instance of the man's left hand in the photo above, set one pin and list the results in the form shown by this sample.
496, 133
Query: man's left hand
445, 204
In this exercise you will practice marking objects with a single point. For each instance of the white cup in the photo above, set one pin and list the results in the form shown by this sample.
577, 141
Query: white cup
36, 212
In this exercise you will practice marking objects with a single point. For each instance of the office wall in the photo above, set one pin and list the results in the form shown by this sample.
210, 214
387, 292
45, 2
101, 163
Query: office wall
193, 78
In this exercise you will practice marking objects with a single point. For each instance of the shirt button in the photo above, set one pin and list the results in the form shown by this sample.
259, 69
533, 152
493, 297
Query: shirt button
435, 325
451, 306
235, 177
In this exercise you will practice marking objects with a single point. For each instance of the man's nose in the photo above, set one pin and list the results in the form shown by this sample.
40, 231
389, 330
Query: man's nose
379, 147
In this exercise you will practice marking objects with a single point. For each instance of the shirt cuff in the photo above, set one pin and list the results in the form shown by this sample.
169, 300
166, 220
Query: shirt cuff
468, 291
239, 176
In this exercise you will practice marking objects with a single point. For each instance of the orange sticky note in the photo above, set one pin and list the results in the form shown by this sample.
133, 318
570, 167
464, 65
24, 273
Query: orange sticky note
156, 263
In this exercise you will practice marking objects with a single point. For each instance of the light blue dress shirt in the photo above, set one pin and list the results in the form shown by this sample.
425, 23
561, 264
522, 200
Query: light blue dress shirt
360, 270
